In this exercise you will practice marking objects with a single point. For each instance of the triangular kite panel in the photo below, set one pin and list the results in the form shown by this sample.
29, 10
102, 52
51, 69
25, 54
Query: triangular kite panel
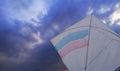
102, 43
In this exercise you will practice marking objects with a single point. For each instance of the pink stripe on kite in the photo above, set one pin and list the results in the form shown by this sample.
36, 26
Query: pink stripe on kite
73, 46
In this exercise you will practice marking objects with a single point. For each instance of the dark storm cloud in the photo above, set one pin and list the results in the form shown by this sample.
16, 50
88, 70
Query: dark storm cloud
4, 33
10, 36
17, 31
17, 37
14, 45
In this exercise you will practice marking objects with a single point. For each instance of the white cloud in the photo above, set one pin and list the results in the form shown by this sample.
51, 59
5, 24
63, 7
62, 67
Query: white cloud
34, 9
90, 11
49, 33
115, 16
104, 9
56, 27
36, 37
38, 40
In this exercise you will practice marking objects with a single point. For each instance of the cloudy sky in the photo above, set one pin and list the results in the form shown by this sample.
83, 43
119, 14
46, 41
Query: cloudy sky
27, 26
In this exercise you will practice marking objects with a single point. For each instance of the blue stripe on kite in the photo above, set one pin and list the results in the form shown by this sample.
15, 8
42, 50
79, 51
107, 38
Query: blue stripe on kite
71, 37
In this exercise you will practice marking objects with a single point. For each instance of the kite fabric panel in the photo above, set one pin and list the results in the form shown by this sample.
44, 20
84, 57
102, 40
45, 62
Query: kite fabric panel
72, 48
89, 45
104, 48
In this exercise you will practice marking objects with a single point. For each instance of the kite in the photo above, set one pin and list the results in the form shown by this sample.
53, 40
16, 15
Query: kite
89, 45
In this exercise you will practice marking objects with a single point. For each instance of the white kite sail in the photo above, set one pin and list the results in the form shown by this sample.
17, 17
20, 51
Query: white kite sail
89, 45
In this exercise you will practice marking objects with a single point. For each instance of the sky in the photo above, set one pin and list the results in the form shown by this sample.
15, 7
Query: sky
27, 26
